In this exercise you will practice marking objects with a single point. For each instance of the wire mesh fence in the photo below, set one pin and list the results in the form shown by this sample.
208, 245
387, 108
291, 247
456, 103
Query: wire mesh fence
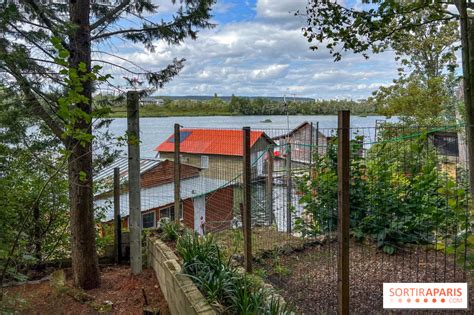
410, 206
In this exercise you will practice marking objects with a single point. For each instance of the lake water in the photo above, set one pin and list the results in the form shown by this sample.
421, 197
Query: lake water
155, 130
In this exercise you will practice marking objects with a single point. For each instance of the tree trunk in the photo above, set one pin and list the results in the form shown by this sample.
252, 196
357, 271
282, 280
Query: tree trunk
85, 265
467, 43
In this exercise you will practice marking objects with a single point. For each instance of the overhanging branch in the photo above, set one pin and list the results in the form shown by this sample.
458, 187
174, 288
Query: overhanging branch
110, 15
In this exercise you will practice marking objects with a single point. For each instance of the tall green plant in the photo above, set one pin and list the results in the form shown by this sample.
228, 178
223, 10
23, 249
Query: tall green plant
319, 190
221, 284
400, 194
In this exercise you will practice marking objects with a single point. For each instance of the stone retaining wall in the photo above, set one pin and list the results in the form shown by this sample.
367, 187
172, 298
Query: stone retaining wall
182, 295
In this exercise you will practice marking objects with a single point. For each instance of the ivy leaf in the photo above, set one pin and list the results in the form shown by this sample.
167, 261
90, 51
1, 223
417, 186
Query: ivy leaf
82, 67
82, 176
63, 53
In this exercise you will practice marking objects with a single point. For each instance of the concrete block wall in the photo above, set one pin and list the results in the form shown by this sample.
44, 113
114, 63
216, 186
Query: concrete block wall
181, 293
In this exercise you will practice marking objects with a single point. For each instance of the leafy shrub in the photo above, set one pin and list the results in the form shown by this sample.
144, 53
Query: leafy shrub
399, 194
204, 262
170, 230
319, 190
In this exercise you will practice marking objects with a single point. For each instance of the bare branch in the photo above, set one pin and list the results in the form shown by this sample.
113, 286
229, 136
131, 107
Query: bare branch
126, 31
110, 15
31, 41
48, 22
33, 102
118, 66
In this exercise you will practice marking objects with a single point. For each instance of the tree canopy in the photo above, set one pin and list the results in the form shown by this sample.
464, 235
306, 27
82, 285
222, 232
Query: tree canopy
55, 55
374, 26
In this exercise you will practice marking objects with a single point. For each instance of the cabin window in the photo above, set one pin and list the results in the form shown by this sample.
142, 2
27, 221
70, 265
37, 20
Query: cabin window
168, 212
148, 220
204, 161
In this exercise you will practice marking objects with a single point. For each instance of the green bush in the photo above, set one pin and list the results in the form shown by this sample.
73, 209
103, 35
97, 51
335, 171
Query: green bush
399, 194
204, 262
170, 230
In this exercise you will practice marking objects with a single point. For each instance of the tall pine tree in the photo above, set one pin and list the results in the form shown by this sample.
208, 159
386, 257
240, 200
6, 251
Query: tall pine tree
46, 54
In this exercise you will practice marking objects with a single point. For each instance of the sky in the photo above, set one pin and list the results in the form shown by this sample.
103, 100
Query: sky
257, 48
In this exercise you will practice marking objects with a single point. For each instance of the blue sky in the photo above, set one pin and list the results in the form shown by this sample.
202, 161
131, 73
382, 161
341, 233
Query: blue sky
257, 48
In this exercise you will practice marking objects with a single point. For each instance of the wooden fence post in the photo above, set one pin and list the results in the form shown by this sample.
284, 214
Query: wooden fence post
177, 174
135, 218
117, 218
247, 216
343, 205
317, 138
311, 145
269, 185
288, 187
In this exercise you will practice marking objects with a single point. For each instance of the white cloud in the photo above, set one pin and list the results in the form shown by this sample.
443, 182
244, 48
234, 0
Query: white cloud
265, 56
223, 6
280, 10
269, 72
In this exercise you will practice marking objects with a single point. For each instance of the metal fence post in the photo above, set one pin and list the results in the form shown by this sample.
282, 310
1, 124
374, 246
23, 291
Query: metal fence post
117, 218
343, 205
177, 173
247, 219
135, 224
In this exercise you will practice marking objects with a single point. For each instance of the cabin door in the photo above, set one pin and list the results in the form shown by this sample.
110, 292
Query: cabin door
199, 211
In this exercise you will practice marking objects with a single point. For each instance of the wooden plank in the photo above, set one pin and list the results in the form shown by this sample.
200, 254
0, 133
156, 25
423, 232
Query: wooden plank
343, 205
247, 218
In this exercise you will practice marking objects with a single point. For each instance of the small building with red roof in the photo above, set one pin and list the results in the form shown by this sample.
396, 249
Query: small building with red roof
218, 152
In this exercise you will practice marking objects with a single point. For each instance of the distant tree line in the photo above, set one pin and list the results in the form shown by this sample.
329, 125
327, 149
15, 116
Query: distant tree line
250, 106
262, 106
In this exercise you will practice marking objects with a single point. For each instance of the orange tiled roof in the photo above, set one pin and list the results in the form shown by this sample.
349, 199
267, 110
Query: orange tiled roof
210, 141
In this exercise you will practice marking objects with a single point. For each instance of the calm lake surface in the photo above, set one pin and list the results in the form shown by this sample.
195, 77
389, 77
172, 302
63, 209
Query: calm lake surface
155, 130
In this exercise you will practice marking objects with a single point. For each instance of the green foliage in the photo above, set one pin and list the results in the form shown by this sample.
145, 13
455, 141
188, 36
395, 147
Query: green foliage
247, 106
371, 26
424, 38
75, 78
414, 101
204, 262
57, 84
33, 209
399, 194
319, 190
261, 106
422, 95
280, 269
170, 230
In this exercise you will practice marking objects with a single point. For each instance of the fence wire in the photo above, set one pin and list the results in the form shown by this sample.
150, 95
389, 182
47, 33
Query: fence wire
409, 203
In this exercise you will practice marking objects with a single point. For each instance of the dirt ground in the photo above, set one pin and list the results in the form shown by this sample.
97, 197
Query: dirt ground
308, 278
264, 239
120, 293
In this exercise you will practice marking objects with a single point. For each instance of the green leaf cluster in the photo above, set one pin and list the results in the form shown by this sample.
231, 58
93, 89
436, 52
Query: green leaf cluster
402, 192
223, 285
